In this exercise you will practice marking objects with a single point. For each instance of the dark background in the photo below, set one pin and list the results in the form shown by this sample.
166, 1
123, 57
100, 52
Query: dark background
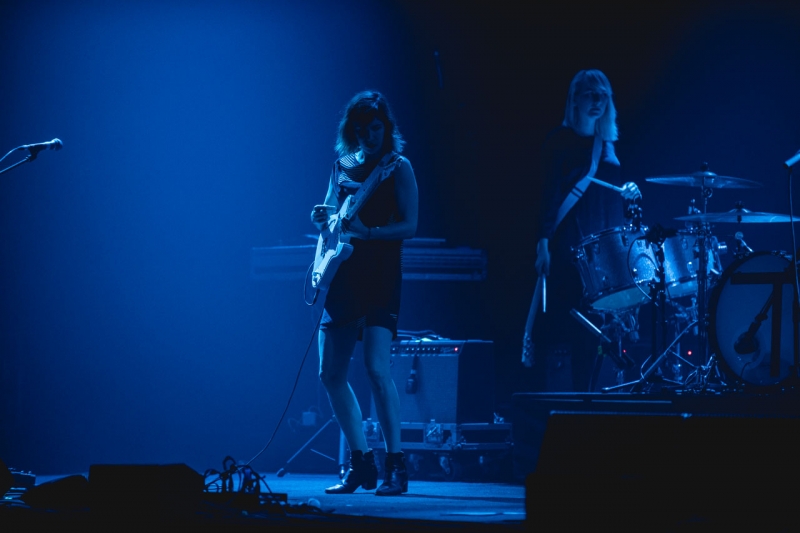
130, 330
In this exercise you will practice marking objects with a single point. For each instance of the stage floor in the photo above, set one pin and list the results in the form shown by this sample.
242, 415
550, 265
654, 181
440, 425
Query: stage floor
426, 500
429, 505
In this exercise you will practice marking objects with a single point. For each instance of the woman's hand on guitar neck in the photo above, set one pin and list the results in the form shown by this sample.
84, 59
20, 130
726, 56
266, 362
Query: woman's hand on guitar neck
355, 228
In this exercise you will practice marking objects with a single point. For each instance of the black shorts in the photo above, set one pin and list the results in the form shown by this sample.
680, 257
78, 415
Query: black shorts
366, 289
378, 317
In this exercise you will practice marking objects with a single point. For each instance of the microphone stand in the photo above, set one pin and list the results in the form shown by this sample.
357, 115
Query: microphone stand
746, 339
33, 151
28, 159
795, 371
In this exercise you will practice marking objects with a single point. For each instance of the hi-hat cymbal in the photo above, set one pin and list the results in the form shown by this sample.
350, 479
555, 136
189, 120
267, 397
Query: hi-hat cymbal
705, 179
740, 214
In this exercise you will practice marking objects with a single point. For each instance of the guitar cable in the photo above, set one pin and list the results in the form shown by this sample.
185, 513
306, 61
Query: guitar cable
305, 287
237, 468
291, 394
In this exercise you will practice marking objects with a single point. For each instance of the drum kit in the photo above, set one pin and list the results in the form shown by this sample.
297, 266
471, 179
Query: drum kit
745, 317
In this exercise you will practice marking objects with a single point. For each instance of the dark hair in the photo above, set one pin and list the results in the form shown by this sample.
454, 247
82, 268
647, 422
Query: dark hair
362, 109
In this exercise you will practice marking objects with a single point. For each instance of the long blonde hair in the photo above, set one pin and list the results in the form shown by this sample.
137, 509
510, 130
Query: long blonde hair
606, 125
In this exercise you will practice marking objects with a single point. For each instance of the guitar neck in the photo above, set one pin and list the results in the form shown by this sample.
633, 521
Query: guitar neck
380, 173
358, 200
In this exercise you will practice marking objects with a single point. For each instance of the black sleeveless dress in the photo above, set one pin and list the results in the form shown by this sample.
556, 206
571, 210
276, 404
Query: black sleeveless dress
366, 288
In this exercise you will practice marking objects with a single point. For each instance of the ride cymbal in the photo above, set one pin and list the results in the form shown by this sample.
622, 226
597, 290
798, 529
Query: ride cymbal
738, 215
705, 179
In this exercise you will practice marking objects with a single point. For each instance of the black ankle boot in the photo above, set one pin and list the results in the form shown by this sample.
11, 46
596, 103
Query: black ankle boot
395, 478
361, 472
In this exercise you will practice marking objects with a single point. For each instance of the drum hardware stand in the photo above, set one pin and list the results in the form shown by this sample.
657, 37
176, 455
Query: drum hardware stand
742, 250
657, 287
703, 371
621, 360
633, 213
709, 362
654, 367
680, 315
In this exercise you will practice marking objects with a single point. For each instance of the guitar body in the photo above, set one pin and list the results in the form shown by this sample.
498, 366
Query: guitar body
333, 248
527, 338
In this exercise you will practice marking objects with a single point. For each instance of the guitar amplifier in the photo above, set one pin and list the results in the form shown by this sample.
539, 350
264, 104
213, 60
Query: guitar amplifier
449, 381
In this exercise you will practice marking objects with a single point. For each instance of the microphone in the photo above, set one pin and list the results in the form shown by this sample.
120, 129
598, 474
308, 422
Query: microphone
792, 161
746, 343
34, 149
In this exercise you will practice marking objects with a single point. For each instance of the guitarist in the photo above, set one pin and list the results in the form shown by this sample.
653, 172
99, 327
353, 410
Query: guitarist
574, 208
363, 300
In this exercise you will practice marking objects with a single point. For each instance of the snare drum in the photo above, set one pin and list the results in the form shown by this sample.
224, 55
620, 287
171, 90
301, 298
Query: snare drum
744, 339
615, 266
681, 262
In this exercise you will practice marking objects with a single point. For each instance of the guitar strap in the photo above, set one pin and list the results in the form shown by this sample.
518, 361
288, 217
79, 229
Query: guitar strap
580, 187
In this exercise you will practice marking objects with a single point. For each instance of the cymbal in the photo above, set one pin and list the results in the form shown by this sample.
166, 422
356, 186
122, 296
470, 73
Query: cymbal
705, 179
745, 216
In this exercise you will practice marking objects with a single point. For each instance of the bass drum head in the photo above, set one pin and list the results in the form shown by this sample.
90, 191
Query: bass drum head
741, 338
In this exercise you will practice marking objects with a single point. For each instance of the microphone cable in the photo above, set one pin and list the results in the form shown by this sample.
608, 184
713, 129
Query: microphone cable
9, 153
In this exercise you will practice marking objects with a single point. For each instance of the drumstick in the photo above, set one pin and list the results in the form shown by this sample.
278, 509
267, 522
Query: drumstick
605, 184
544, 293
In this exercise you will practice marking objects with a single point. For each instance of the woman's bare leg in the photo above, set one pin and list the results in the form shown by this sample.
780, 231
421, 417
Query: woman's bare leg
335, 350
377, 358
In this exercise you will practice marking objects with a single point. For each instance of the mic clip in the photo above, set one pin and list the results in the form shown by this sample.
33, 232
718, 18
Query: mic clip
411, 383
658, 234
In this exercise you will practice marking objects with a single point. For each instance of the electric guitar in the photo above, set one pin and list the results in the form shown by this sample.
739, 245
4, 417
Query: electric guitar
333, 246
539, 300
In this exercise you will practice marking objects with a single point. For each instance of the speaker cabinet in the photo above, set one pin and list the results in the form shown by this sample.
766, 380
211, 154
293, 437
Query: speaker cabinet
451, 382
6, 479
161, 489
670, 468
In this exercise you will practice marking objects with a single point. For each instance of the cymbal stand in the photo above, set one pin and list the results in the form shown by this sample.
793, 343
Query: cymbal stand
686, 318
708, 361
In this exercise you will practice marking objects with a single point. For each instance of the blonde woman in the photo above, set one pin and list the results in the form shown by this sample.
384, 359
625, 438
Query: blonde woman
574, 207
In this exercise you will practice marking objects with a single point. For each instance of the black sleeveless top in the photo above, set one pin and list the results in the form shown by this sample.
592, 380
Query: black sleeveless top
566, 159
369, 280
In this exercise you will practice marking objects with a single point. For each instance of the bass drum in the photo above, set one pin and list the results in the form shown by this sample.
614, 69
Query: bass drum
615, 266
748, 315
